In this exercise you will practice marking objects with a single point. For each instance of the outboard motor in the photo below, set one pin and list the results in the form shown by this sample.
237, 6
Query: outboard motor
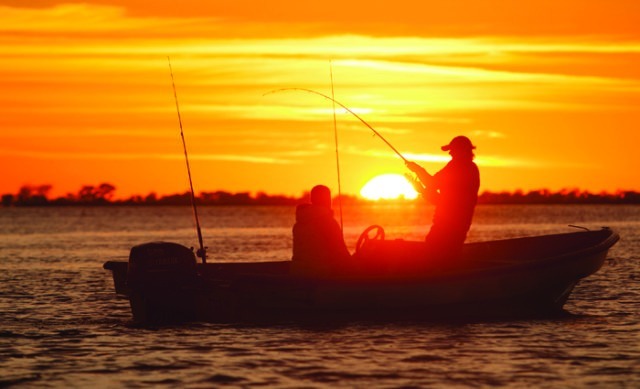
162, 279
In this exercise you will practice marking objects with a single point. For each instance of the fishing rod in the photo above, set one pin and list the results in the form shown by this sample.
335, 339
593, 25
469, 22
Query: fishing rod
335, 135
202, 251
348, 110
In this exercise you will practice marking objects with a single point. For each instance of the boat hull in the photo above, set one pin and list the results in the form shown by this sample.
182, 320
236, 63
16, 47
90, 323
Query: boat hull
533, 275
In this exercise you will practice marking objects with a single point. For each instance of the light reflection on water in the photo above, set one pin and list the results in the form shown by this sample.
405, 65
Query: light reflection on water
62, 325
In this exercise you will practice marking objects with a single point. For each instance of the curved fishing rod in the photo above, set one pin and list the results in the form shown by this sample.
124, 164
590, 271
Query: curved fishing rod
347, 109
335, 136
201, 252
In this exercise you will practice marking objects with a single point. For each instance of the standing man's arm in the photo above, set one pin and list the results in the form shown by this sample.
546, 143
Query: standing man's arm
421, 172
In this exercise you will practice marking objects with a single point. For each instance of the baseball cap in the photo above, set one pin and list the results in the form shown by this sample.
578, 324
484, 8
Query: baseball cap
459, 142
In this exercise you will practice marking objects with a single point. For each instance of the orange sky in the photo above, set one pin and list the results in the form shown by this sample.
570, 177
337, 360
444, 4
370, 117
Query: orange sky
548, 91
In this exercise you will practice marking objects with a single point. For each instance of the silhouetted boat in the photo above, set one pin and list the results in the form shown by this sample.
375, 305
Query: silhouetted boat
387, 279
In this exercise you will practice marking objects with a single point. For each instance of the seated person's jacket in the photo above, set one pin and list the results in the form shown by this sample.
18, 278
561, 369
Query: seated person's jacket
317, 239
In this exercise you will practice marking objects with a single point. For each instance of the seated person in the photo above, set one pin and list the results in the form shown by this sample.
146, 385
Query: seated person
318, 244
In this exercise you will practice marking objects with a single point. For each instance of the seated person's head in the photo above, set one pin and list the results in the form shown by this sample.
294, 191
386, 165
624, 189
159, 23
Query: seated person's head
321, 196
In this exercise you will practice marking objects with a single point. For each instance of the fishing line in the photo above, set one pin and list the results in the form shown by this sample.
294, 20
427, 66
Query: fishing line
335, 133
347, 109
202, 252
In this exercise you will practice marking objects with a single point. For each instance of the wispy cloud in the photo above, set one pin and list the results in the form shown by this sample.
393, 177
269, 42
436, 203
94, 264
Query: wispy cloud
488, 134
51, 155
240, 158
84, 18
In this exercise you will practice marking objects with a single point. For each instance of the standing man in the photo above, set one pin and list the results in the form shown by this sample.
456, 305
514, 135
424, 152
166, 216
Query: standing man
454, 192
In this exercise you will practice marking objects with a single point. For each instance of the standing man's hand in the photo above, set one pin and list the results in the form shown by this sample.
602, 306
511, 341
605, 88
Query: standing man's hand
414, 167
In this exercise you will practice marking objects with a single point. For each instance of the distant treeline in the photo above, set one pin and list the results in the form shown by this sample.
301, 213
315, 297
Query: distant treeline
103, 195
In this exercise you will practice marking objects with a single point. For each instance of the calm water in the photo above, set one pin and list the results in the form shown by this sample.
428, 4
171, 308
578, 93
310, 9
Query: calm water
61, 324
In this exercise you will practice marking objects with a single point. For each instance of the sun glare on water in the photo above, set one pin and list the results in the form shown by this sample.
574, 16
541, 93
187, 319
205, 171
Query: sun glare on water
388, 186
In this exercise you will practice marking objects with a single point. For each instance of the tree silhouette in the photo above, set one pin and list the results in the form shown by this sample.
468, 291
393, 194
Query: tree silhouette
101, 194
104, 194
33, 195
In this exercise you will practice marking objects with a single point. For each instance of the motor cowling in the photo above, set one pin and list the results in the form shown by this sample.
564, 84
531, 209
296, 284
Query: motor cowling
162, 278
160, 264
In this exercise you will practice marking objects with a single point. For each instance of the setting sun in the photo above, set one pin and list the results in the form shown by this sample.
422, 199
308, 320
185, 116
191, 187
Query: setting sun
388, 186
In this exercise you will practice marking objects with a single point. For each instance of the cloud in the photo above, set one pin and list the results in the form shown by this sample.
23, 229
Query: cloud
448, 28
240, 158
70, 18
49, 155
441, 158
487, 134
282, 18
